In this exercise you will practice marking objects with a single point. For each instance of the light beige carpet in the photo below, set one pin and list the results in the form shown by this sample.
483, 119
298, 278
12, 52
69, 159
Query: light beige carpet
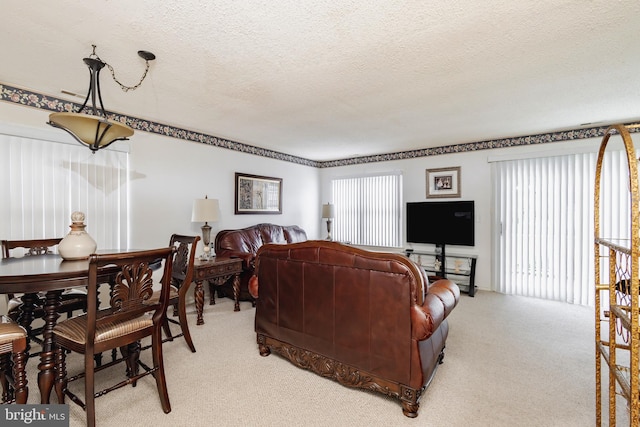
510, 361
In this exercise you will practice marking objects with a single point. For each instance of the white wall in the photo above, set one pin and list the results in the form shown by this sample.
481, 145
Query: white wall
168, 174
175, 172
476, 184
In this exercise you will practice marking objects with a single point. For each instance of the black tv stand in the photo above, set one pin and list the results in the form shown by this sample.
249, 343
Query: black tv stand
457, 267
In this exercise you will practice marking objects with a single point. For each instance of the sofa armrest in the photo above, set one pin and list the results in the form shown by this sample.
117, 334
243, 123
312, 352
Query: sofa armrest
448, 292
253, 286
442, 297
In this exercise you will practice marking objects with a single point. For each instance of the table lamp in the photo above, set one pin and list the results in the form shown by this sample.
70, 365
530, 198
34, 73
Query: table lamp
328, 212
205, 210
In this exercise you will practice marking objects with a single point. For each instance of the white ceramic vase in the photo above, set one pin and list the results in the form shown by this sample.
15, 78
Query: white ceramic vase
77, 244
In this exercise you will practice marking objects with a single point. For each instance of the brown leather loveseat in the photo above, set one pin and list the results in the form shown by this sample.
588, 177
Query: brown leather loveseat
244, 243
366, 319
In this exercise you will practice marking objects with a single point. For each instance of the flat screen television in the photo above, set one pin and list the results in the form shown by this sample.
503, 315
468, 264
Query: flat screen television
449, 223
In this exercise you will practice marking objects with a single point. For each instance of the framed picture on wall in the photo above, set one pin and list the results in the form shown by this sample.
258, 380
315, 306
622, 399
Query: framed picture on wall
258, 194
443, 182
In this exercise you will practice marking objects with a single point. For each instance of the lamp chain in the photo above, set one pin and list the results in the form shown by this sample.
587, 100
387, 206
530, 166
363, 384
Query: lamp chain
124, 88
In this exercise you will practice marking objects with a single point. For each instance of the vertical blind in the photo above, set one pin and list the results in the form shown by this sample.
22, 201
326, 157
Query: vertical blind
368, 210
544, 210
43, 182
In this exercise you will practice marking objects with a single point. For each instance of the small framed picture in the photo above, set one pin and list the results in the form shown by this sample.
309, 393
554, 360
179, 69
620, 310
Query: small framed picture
443, 182
258, 194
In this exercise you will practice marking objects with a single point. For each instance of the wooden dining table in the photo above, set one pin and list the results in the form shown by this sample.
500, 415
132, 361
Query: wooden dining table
51, 274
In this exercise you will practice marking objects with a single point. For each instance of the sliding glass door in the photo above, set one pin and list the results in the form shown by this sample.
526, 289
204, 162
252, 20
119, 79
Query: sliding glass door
544, 209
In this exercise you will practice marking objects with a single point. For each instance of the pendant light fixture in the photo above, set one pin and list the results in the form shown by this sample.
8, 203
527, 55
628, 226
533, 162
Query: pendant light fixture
96, 130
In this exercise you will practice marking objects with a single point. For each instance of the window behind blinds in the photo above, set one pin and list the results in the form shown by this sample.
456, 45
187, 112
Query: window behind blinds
368, 210
42, 182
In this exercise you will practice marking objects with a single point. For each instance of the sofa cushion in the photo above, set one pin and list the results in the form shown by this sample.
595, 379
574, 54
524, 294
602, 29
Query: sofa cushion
294, 234
271, 233
246, 240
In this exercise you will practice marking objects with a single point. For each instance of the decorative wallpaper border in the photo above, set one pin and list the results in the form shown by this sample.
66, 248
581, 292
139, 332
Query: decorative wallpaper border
37, 100
543, 138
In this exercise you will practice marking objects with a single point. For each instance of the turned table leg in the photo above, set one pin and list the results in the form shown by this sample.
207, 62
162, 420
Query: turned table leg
46, 376
236, 292
26, 316
212, 292
198, 294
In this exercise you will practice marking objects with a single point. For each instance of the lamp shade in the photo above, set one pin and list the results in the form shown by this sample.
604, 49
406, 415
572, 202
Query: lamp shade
95, 131
205, 210
328, 211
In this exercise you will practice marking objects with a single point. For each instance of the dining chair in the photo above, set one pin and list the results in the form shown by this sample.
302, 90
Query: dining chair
31, 306
122, 324
181, 279
13, 377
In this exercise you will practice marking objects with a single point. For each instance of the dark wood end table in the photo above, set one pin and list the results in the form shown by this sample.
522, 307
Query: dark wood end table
216, 271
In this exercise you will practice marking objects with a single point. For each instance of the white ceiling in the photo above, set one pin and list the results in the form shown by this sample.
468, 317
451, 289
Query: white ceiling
326, 80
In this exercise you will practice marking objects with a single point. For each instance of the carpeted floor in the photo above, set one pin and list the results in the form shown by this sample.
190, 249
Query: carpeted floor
510, 361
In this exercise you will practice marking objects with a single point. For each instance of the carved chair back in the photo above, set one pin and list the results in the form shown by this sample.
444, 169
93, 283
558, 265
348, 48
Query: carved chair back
132, 287
30, 248
183, 262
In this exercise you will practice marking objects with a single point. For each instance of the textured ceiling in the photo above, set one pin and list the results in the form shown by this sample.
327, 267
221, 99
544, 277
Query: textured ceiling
327, 80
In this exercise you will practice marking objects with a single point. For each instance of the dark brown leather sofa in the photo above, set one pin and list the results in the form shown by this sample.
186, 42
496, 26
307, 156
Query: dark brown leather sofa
244, 243
366, 319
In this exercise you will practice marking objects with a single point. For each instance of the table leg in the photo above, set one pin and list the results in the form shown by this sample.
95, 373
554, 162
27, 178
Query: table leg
198, 295
46, 376
212, 291
236, 292
25, 316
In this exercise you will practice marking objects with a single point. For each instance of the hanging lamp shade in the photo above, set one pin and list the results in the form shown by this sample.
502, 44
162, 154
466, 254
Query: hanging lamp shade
95, 130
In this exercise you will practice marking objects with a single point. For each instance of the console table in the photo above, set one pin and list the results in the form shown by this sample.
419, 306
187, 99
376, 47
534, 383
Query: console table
457, 267
216, 271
